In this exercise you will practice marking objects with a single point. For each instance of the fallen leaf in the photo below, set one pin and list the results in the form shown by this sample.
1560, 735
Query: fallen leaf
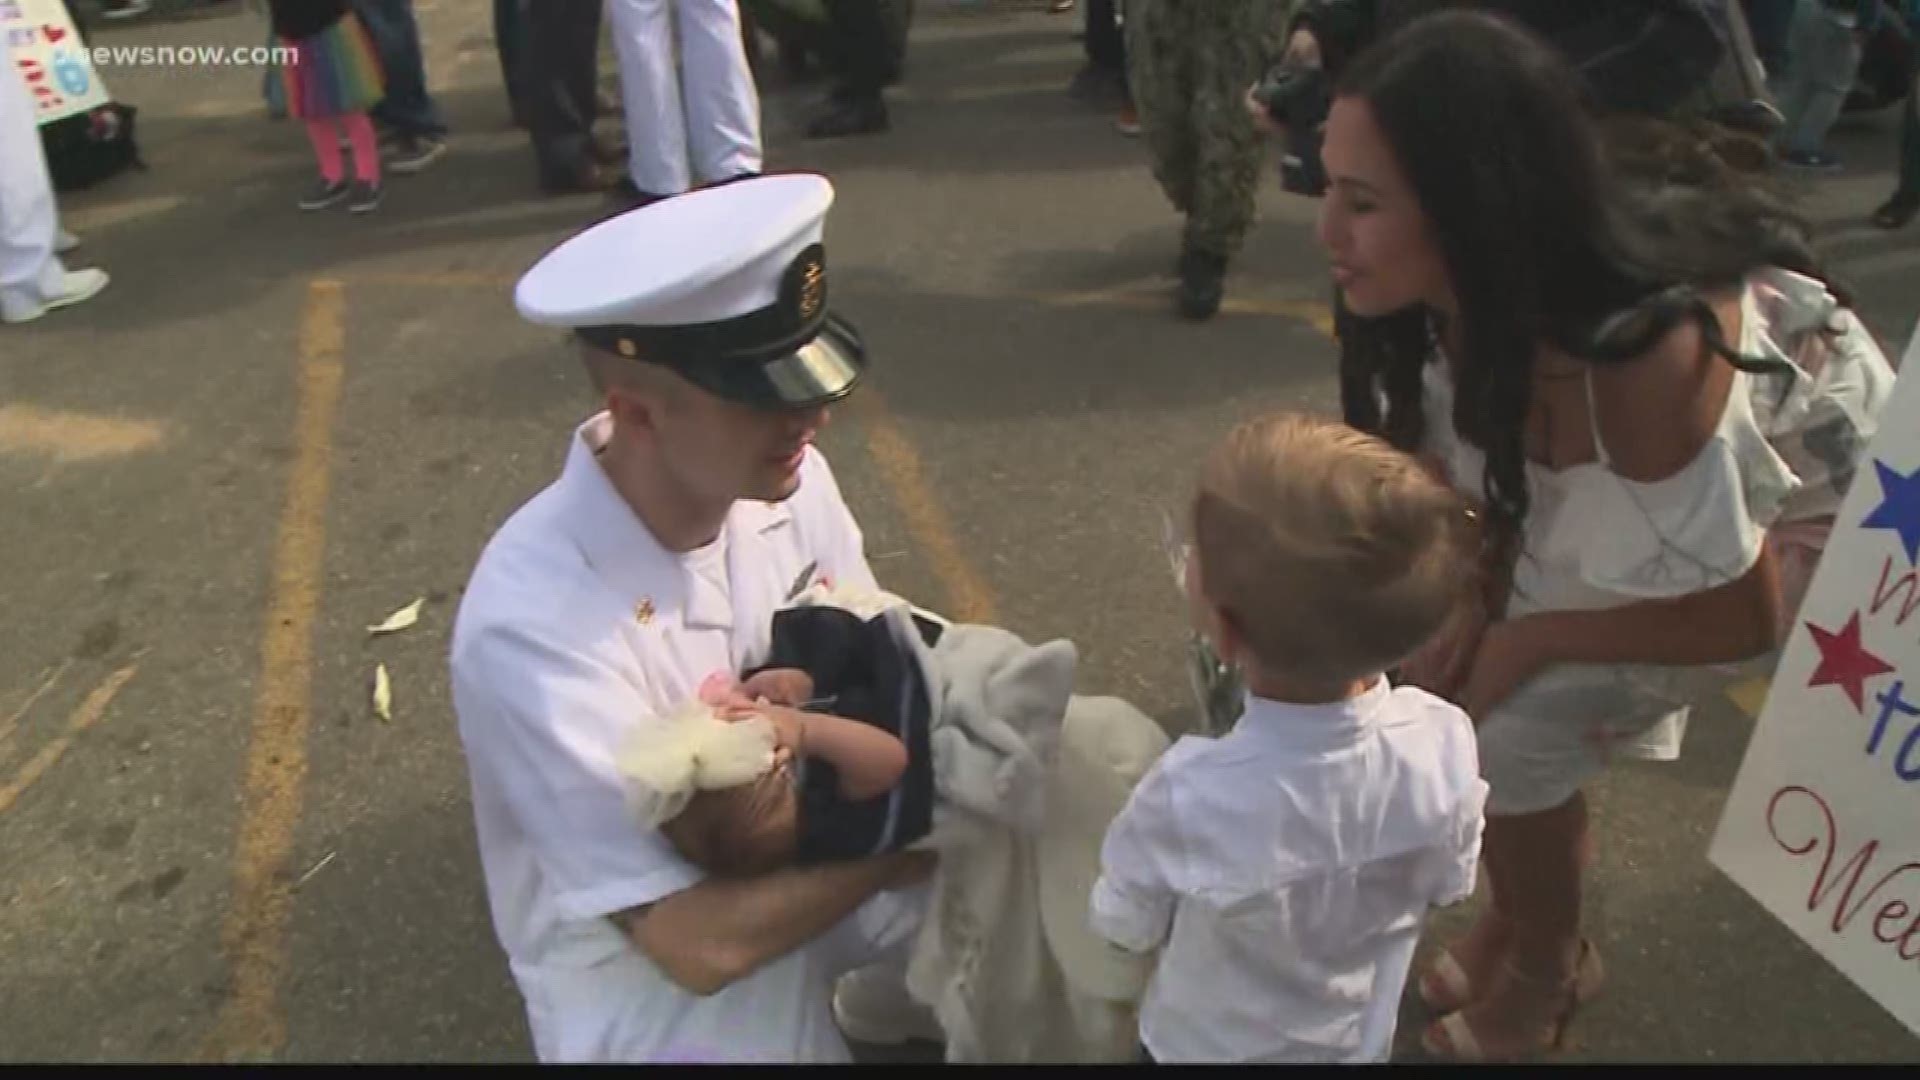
399, 620
317, 867
382, 694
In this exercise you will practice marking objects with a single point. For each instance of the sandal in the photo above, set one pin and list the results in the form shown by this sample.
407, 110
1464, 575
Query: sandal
1446, 987
1896, 212
1452, 1038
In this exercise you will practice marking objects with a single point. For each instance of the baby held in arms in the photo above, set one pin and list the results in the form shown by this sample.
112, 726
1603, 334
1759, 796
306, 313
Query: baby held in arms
821, 755
826, 792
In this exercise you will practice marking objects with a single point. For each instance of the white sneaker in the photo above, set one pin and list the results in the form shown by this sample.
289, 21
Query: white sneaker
65, 242
871, 1006
75, 287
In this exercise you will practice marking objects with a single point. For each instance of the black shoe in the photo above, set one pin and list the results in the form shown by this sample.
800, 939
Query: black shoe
1897, 211
1754, 116
795, 65
1203, 278
585, 177
866, 117
631, 197
1099, 86
606, 152
1811, 161
412, 154
366, 198
325, 194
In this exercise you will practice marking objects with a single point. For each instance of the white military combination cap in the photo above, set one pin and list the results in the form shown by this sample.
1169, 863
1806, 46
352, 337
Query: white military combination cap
726, 286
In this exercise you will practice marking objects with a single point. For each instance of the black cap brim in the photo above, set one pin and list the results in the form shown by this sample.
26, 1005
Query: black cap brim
820, 372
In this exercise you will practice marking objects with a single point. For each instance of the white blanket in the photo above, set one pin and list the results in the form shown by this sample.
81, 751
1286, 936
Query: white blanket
983, 960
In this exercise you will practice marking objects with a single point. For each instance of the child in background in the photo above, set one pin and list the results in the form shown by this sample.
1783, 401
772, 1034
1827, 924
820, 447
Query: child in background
1284, 869
332, 80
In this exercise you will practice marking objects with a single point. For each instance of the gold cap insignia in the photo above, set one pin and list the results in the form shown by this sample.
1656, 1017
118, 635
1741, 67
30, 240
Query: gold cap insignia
813, 288
643, 611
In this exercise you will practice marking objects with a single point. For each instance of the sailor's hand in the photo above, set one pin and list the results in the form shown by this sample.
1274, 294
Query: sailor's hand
911, 867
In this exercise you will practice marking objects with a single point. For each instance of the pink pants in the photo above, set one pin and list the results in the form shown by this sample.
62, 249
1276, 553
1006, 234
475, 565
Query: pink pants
326, 146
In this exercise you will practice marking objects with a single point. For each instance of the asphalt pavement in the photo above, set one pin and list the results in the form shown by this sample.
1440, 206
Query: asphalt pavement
277, 428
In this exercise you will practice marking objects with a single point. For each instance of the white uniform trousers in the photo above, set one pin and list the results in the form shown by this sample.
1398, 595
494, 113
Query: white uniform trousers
29, 220
696, 120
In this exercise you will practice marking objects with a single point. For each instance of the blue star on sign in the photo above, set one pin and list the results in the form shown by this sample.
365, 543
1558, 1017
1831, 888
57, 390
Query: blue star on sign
1899, 508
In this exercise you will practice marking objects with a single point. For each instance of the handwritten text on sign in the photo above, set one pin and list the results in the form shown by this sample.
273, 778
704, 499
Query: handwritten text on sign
1820, 826
44, 49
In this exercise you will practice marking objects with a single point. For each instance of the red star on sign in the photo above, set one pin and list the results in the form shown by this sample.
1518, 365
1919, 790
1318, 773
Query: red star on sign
1845, 662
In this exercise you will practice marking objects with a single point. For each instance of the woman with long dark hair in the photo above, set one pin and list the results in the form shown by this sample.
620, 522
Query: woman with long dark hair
1627, 350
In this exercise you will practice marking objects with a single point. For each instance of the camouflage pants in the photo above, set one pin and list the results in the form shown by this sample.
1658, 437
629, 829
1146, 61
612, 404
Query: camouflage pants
1190, 63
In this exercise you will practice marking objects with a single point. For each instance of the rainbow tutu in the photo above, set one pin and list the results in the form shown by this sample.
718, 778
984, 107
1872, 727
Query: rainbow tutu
336, 72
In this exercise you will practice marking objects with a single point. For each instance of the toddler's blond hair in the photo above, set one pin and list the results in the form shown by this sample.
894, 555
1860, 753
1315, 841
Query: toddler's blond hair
1332, 555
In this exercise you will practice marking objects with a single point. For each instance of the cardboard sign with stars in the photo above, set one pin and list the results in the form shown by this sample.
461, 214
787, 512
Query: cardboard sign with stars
1821, 824
38, 40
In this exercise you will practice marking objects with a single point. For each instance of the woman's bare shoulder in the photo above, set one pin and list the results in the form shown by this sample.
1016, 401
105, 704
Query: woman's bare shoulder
1658, 411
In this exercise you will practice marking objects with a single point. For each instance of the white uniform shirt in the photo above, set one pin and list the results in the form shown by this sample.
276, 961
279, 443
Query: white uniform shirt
1286, 867
576, 627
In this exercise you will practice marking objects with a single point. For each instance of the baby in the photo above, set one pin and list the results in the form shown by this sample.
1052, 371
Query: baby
849, 710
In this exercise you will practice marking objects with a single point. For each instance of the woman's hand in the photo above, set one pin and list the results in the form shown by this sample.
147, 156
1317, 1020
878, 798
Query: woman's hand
1442, 664
1509, 655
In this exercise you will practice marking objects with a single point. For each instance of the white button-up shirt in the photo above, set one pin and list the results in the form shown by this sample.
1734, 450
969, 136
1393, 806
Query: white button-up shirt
576, 627
1286, 869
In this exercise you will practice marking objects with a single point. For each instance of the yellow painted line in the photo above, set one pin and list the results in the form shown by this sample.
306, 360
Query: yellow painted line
1158, 295
1750, 696
84, 717
1139, 295
224, 108
13, 721
448, 280
86, 219
969, 600
72, 436
250, 1025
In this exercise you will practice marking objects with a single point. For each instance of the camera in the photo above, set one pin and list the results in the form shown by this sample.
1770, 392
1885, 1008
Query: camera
1297, 97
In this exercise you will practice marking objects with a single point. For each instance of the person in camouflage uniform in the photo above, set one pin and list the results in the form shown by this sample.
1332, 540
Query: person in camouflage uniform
1189, 63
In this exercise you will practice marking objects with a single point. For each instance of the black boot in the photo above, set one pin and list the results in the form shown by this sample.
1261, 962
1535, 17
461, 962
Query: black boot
1202, 283
1897, 211
627, 195
850, 116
